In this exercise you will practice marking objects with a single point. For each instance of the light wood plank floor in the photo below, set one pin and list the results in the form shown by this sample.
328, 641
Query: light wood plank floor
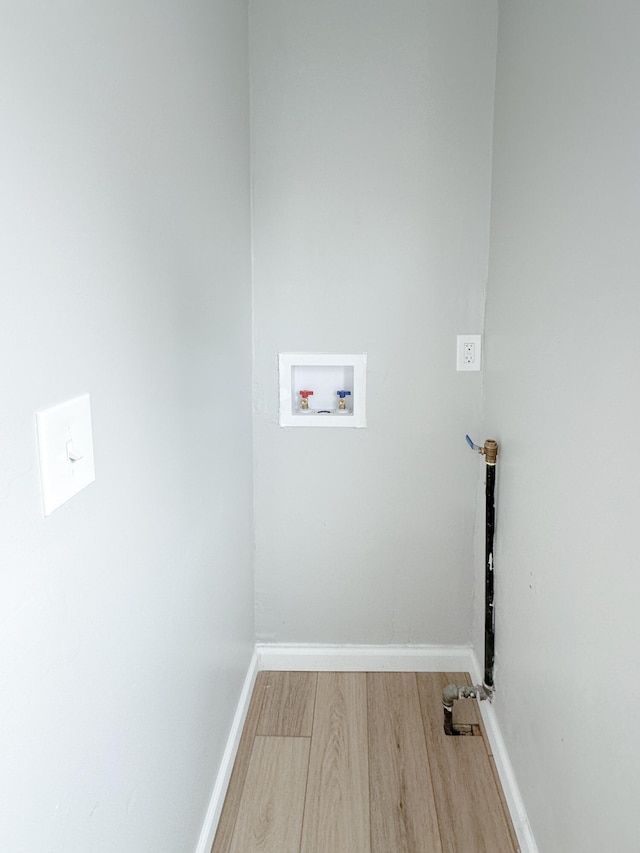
359, 763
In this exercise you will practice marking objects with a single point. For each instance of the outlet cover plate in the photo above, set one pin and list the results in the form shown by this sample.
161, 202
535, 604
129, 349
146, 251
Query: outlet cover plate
469, 352
65, 444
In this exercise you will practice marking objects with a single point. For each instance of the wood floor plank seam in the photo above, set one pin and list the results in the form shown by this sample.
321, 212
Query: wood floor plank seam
306, 783
369, 764
290, 737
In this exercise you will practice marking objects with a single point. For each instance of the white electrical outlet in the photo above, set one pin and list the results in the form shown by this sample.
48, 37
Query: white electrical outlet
469, 352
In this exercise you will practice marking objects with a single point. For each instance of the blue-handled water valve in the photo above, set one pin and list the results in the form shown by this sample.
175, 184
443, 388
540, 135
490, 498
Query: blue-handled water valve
343, 403
490, 449
472, 445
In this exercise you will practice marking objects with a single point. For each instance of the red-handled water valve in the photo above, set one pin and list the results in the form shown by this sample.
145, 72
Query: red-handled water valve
305, 399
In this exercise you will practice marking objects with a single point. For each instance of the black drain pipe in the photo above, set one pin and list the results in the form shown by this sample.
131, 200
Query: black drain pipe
480, 691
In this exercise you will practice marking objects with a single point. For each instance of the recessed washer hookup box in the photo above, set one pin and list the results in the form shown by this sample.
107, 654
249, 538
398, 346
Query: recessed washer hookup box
323, 389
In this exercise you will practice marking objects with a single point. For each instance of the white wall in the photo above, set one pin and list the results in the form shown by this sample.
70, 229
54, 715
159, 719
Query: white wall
371, 174
562, 398
126, 618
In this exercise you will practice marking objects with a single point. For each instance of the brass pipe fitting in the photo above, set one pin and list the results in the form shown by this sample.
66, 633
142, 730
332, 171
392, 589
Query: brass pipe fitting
490, 450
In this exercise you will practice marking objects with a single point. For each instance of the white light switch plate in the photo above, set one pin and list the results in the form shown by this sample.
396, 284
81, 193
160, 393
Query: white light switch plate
65, 444
469, 352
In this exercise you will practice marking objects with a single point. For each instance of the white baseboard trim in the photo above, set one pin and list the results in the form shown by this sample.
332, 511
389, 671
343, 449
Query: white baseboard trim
510, 787
205, 842
334, 658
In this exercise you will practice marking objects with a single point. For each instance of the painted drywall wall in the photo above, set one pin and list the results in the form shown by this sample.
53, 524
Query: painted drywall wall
126, 617
561, 377
371, 141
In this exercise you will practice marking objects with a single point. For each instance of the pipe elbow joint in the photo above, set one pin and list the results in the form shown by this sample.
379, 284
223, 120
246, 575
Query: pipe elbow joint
449, 695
